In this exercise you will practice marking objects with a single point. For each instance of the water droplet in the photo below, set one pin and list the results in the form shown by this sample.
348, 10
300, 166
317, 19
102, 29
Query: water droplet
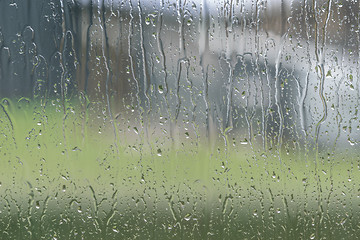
187, 217
136, 130
189, 21
244, 142
255, 213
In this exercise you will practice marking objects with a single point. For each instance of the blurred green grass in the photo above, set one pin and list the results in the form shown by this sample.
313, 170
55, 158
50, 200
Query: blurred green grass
66, 175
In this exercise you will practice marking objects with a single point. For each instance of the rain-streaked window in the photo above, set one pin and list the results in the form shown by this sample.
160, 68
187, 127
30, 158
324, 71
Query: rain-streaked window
179, 119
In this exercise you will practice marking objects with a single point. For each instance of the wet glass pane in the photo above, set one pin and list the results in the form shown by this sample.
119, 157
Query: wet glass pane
164, 119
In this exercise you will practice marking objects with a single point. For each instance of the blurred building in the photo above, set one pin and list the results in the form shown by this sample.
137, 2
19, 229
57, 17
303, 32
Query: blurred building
267, 72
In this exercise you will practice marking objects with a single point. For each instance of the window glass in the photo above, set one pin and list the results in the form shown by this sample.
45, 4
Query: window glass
187, 119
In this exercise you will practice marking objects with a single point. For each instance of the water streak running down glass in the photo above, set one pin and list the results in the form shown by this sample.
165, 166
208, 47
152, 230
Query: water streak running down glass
165, 119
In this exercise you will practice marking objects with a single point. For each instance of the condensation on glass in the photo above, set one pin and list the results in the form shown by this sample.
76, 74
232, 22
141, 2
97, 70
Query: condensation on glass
164, 119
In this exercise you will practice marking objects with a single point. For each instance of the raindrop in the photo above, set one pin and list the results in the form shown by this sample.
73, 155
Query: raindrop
187, 217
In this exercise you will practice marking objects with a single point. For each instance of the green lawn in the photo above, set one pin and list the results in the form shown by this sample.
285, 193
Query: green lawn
66, 175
